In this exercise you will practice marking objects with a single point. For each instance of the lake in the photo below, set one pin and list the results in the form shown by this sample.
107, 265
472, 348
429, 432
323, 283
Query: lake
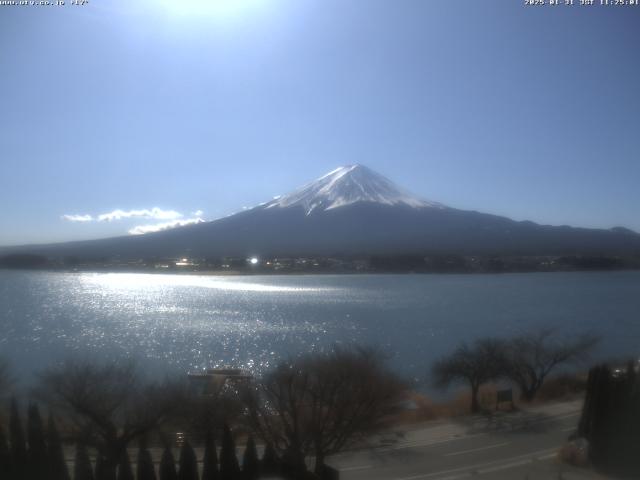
178, 323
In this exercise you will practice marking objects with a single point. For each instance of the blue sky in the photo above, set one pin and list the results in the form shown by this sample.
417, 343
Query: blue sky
199, 108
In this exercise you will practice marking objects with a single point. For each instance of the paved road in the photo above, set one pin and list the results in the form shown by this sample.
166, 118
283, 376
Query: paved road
515, 446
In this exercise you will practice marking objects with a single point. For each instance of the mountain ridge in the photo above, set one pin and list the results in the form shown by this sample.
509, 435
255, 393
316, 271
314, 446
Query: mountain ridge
352, 210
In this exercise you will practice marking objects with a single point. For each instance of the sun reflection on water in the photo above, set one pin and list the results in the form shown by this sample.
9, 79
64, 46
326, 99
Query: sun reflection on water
138, 281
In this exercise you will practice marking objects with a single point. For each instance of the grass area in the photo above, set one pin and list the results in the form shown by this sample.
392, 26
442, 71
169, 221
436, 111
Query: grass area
565, 387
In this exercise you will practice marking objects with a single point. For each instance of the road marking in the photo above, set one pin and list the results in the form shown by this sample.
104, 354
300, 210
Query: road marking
359, 467
506, 466
547, 457
465, 471
476, 449
429, 443
517, 464
562, 417
457, 477
498, 468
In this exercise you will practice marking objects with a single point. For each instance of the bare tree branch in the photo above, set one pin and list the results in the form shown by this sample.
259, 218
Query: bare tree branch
483, 361
532, 357
321, 404
110, 405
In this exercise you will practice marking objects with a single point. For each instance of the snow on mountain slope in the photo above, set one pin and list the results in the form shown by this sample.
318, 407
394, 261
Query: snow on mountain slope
345, 186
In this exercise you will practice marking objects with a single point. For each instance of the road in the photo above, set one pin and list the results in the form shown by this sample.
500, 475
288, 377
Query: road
521, 445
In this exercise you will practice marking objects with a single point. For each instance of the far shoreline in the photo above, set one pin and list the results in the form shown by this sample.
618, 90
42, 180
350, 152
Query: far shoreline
240, 273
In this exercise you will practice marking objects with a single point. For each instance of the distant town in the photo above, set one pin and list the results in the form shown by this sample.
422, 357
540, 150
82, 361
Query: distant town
327, 265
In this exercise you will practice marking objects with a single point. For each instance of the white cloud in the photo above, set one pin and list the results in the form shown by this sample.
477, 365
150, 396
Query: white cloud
77, 218
155, 212
142, 229
172, 218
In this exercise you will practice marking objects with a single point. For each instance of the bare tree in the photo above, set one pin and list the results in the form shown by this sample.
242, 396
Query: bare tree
321, 404
532, 357
109, 405
474, 364
276, 408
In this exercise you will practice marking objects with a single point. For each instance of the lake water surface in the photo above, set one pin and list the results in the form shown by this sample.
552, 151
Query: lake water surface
185, 322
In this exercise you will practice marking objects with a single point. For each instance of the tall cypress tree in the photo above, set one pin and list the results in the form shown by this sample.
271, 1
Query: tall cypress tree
250, 462
106, 469
610, 419
269, 464
210, 460
229, 467
82, 466
168, 466
55, 453
37, 452
18, 448
125, 472
100, 470
5, 456
144, 469
188, 463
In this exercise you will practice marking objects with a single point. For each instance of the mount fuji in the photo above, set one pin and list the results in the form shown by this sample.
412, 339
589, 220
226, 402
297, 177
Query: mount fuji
353, 210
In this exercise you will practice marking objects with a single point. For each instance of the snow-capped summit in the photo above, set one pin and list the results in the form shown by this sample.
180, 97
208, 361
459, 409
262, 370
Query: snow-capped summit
345, 186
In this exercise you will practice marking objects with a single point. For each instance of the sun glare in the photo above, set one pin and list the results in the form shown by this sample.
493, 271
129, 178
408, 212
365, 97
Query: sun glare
206, 7
137, 284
